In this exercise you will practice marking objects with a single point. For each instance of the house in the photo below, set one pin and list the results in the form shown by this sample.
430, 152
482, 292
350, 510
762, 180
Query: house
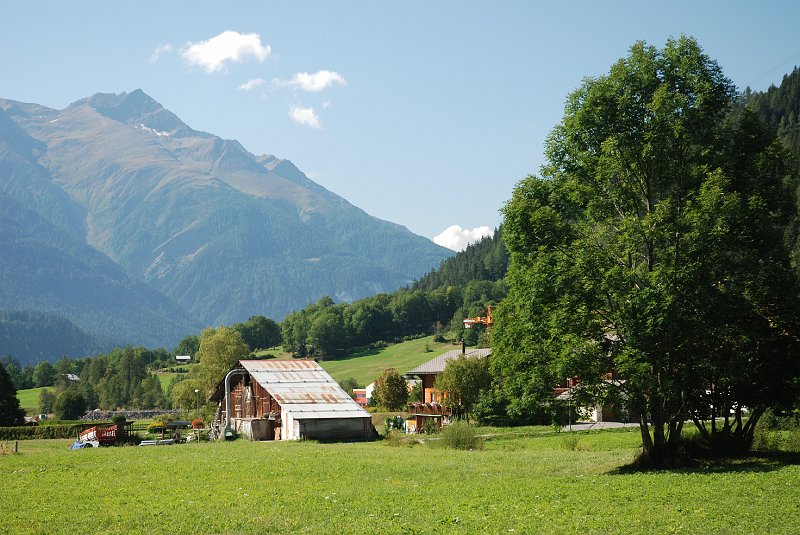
431, 404
360, 396
183, 359
287, 400
596, 411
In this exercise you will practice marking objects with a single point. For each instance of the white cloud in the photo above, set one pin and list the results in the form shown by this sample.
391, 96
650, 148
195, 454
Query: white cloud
456, 238
251, 84
313, 82
213, 54
160, 51
306, 116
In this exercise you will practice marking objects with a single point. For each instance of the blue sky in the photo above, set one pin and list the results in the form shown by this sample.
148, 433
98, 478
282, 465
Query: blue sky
421, 113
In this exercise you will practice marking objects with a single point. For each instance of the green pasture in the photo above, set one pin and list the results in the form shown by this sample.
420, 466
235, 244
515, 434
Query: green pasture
165, 378
367, 365
535, 481
29, 399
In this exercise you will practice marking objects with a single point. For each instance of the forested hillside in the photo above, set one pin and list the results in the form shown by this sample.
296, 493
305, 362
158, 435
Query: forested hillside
463, 286
35, 336
485, 260
779, 107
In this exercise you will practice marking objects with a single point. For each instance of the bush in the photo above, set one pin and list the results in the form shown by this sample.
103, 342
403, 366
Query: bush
156, 427
118, 418
460, 435
39, 432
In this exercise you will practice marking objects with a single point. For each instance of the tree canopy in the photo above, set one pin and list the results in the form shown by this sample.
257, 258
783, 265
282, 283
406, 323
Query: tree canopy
391, 390
653, 247
463, 381
220, 349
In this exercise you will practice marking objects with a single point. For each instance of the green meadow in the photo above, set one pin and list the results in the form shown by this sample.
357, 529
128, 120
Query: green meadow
527, 481
29, 399
365, 366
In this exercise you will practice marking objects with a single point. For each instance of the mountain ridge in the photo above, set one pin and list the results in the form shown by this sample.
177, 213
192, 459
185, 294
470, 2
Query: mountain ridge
220, 232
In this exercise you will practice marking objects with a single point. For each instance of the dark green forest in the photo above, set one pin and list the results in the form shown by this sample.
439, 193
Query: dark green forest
779, 108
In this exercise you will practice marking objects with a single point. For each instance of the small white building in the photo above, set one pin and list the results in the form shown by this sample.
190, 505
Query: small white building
183, 359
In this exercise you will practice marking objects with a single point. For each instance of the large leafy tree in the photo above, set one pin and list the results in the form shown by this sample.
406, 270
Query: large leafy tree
69, 405
653, 248
220, 349
391, 390
259, 332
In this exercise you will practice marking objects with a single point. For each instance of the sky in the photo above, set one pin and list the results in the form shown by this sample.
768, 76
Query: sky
422, 113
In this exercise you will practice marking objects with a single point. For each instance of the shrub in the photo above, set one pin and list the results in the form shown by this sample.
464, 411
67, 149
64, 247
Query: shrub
429, 426
39, 432
461, 435
197, 423
118, 418
156, 427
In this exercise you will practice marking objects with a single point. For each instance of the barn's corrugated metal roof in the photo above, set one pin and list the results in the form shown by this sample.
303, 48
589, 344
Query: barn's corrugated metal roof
304, 389
437, 365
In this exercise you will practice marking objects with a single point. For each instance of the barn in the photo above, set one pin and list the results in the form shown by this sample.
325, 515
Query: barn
287, 400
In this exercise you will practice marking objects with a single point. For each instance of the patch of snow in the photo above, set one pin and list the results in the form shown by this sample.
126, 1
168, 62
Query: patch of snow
152, 131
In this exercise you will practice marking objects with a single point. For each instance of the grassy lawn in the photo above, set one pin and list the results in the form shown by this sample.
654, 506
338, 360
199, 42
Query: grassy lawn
165, 378
367, 365
536, 482
29, 399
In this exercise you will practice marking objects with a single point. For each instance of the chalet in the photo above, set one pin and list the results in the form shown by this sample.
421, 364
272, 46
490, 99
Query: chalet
183, 359
592, 411
431, 404
287, 400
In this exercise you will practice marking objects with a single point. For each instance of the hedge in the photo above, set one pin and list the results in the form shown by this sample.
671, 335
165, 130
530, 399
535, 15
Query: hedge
35, 431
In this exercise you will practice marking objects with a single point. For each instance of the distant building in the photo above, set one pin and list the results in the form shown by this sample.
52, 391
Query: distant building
360, 396
183, 359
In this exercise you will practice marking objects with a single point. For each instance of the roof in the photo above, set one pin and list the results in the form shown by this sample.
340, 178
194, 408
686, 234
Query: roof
436, 365
304, 389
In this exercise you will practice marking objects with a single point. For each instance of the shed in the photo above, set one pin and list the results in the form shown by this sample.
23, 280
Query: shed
289, 400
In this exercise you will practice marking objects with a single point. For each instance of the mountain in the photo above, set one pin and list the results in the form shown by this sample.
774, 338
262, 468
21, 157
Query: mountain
121, 183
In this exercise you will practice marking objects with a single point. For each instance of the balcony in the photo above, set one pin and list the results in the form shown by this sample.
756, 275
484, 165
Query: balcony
428, 409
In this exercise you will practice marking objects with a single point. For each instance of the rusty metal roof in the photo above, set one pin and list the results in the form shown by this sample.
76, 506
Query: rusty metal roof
436, 366
304, 389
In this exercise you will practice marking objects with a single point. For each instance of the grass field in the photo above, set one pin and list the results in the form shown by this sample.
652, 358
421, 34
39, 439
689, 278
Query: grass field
29, 399
540, 483
165, 378
367, 365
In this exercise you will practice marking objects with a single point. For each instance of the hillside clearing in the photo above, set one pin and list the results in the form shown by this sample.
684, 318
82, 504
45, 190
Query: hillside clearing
365, 366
